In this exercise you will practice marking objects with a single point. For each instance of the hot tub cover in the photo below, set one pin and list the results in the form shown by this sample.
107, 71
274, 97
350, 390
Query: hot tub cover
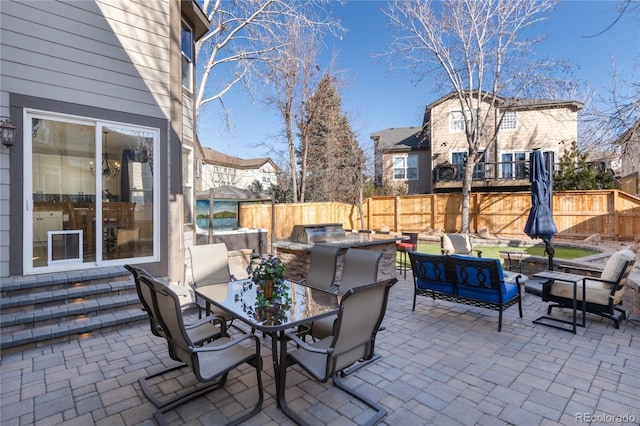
231, 193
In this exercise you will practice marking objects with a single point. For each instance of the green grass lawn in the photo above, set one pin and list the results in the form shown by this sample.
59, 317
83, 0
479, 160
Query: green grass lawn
494, 252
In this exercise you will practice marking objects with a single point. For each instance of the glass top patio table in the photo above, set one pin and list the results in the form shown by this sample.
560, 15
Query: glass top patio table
299, 304
296, 306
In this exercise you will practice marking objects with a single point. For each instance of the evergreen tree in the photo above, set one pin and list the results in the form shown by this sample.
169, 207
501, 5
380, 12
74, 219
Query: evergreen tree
575, 173
334, 160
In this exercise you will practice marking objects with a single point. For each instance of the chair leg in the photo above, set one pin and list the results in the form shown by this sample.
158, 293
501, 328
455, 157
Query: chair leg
160, 403
404, 263
380, 410
358, 365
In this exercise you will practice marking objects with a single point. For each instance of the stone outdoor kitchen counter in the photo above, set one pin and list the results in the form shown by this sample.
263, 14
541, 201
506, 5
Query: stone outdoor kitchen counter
296, 255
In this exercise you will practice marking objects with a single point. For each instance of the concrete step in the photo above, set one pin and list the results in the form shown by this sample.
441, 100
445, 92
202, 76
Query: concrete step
41, 308
71, 329
54, 313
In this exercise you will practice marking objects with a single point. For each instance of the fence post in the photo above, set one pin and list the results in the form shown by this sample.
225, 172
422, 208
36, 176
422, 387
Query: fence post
397, 214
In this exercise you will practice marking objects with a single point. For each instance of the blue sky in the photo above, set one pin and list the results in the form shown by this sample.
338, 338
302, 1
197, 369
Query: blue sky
377, 98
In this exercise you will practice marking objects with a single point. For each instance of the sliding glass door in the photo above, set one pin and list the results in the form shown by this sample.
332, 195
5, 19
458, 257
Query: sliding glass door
91, 193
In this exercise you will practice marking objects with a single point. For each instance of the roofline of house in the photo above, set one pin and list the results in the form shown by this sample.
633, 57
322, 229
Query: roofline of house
515, 103
192, 10
222, 159
628, 134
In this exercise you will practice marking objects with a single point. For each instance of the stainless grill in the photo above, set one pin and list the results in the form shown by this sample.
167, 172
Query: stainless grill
317, 233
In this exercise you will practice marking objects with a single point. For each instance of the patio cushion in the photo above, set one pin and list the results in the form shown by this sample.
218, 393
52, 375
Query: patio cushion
456, 243
509, 291
598, 292
615, 264
472, 272
433, 277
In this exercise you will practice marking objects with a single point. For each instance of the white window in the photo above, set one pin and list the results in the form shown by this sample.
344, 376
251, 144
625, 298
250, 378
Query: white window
405, 167
457, 120
514, 165
187, 56
509, 121
266, 176
458, 160
187, 183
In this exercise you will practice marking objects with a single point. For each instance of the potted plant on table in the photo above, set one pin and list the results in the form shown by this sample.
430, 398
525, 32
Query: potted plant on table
267, 274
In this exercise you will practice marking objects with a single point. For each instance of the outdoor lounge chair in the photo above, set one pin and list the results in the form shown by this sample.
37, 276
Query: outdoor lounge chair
323, 260
604, 289
458, 244
210, 362
203, 330
361, 312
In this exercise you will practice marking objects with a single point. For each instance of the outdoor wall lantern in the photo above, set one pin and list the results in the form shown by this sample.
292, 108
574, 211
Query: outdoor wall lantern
7, 131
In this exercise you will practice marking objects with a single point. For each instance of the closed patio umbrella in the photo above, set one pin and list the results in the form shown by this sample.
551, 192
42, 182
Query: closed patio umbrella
540, 221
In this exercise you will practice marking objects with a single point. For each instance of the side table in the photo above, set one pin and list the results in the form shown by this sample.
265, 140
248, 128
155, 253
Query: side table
569, 278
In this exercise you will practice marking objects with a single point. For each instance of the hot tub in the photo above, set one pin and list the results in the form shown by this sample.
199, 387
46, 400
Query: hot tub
254, 239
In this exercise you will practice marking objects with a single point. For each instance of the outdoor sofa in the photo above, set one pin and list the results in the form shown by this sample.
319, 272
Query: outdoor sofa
465, 279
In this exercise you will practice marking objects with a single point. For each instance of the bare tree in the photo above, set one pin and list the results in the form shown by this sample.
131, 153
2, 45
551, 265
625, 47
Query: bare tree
476, 50
243, 36
615, 118
247, 40
290, 79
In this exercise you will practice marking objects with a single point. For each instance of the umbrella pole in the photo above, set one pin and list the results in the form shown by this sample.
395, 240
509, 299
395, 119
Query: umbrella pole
550, 252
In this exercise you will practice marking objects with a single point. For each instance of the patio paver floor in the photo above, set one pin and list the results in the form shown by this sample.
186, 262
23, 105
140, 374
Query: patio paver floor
445, 363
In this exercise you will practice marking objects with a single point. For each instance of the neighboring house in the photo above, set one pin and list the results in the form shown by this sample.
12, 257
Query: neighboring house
439, 148
630, 161
401, 158
101, 95
220, 169
631, 156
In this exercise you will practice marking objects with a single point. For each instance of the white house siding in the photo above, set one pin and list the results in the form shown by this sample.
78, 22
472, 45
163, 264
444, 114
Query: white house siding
214, 176
111, 54
549, 129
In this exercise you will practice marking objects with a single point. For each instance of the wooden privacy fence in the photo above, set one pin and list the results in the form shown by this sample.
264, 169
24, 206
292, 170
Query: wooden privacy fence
578, 214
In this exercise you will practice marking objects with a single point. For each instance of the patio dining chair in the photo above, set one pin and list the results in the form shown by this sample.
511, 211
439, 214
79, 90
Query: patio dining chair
360, 267
604, 289
323, 259
200, 331
458, 244
361, 312
210, 266
211, 362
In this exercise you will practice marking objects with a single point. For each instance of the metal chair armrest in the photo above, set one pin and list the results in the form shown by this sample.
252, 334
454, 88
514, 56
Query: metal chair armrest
229, 344
568, 268
304, 345
213, 319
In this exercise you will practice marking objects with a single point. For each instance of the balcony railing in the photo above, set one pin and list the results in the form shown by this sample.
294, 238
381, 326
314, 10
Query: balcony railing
502, 171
